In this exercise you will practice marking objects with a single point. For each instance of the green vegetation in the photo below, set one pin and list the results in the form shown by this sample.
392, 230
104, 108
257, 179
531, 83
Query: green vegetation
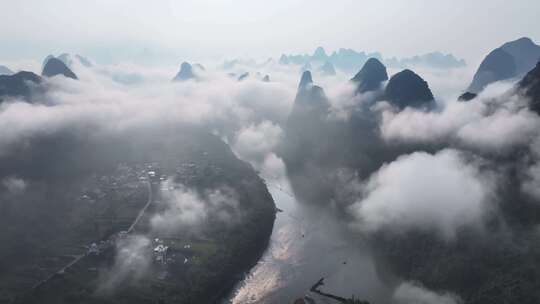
104, 196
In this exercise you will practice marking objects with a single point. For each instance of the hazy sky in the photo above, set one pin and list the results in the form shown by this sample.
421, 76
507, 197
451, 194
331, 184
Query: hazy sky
110, 30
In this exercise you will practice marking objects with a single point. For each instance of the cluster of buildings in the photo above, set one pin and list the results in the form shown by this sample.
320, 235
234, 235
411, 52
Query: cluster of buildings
160, 254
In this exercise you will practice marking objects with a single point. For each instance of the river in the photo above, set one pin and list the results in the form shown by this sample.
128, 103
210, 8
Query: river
307, 244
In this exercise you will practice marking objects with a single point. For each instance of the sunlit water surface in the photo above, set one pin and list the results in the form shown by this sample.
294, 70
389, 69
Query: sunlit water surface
305, 246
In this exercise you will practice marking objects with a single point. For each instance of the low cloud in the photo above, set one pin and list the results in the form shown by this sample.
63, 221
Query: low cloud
255, 142
439, 193
273, 167
187, 210
531, 184
413, 293
132, 262
344, 101
487, 123
14, 185
98, 101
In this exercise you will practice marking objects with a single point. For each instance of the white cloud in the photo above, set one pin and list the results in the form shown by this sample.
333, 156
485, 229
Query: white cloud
187, 210
273, 167
345, 102
531, 185
184, 209
132, 262
439, 193
412, 293
495, 121
255, 142
14, 185
103, 105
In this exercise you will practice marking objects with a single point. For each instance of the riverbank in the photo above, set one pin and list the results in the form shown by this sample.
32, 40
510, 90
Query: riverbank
207, 252
305, 246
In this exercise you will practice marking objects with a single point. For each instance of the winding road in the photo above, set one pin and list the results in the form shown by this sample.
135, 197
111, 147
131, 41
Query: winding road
111, 243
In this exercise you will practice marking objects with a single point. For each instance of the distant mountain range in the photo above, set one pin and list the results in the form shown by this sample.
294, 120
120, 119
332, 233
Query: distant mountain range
351, 60
343, 59
327, 69
433, 60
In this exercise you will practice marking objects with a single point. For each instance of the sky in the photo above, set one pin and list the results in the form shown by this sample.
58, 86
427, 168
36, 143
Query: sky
171, 31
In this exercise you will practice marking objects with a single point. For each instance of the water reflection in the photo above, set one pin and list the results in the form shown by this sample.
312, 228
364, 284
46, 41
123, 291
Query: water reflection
308, 244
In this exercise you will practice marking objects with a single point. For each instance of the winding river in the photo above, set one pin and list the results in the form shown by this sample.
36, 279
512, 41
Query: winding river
306, 244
